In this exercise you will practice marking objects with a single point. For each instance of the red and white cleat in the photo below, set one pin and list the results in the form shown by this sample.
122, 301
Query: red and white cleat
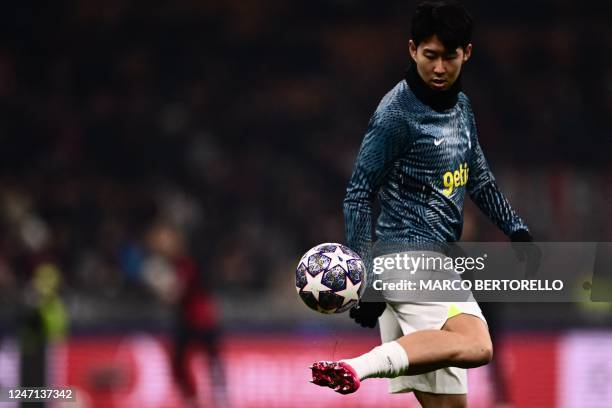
338, 376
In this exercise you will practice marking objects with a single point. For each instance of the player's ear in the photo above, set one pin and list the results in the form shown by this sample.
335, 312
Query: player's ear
413, 49
467, 52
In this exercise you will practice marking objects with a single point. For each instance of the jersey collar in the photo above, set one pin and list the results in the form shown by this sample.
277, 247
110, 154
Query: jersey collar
437, 100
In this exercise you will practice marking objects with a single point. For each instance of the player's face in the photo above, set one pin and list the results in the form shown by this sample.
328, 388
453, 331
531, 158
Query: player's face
438, 67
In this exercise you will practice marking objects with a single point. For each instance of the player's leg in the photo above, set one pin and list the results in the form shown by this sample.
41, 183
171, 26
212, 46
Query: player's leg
463, 341
343, 379
430, 400
457, 324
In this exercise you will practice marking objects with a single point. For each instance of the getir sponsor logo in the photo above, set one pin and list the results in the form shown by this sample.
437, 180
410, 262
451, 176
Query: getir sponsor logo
455, 179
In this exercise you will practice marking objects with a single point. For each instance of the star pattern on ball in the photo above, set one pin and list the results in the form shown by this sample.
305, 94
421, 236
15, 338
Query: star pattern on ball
326, 311
337, 258
315, 285
308, 254
351, 292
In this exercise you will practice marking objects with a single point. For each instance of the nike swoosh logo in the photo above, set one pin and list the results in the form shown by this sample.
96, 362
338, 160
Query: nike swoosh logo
437, 142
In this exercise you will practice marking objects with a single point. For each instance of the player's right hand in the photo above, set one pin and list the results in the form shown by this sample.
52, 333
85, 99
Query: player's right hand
366, 314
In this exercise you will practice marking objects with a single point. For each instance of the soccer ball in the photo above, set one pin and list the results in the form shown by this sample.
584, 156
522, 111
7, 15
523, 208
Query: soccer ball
330, 278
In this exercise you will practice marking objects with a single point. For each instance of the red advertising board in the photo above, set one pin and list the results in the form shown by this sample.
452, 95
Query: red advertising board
271, 371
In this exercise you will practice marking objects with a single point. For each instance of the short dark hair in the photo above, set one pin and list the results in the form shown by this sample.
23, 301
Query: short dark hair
447, 19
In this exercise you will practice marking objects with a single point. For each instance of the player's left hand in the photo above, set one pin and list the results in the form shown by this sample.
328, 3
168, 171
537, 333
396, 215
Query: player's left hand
366, 314
526, 250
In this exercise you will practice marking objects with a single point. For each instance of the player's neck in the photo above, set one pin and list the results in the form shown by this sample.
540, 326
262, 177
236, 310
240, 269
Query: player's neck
437, 100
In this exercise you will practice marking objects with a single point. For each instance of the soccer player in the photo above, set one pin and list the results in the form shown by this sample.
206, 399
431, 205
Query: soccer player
420, 155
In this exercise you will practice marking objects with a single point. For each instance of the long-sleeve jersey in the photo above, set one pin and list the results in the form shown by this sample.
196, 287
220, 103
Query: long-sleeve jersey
420, 162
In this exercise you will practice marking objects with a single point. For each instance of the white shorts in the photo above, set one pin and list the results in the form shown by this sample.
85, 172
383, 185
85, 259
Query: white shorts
400, 319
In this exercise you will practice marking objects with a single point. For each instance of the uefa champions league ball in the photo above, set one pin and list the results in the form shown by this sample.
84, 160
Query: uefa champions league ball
330, 278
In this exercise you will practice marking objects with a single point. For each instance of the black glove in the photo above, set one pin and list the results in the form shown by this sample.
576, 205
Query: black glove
367, 313
526, 250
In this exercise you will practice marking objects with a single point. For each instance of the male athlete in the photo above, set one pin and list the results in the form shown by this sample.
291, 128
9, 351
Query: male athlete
420, 155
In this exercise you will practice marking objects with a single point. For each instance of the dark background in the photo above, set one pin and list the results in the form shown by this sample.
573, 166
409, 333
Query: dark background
236, 123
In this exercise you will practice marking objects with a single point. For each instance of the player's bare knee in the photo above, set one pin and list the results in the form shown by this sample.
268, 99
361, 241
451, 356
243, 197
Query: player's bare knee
482, 353
474, 353
486, 353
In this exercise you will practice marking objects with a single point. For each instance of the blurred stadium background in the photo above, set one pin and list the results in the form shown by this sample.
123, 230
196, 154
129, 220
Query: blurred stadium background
164, 165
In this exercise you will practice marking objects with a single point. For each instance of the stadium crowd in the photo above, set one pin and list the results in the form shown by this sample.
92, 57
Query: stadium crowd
237, 123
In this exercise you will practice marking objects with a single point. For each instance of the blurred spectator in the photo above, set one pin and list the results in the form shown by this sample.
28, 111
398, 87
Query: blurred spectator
174, 278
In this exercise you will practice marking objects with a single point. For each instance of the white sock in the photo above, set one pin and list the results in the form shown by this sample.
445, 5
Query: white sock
388, 360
